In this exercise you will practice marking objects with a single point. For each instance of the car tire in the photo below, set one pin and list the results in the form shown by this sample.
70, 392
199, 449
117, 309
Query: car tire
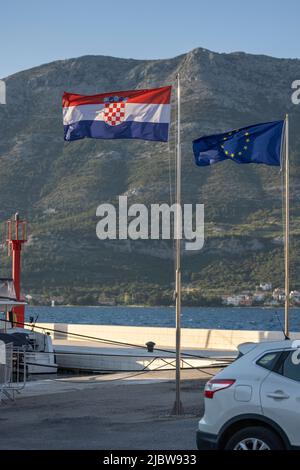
254, 438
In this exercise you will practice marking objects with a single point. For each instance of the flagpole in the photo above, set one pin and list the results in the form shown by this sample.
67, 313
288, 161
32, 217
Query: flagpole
287, 227
177, 410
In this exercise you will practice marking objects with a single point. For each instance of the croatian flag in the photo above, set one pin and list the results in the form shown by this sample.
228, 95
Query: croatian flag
134, 114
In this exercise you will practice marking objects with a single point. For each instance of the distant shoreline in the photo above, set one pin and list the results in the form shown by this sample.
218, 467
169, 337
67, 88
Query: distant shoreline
229, 307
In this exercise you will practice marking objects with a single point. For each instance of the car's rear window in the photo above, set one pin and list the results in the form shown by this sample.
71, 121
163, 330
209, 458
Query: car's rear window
290, 366
269, 360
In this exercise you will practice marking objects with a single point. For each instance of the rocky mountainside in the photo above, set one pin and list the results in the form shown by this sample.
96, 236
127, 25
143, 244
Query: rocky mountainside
57, 186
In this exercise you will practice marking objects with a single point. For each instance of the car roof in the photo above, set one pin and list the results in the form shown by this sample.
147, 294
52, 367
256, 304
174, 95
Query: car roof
269, 346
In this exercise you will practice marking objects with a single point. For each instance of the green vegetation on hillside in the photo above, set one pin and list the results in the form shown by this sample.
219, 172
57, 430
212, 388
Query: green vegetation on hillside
57, 186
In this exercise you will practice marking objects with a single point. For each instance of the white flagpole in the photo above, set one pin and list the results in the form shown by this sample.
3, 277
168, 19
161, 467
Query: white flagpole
287, 227
177, 405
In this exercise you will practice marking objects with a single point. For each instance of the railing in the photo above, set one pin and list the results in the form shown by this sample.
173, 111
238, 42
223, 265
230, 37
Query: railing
16, 230
12, 372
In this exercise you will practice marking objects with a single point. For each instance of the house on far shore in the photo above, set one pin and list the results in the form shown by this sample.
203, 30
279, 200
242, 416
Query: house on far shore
265, 286
279, 294
259, 296
295, 297
239, 300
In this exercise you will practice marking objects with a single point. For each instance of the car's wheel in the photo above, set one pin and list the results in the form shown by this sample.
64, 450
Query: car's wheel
254, 438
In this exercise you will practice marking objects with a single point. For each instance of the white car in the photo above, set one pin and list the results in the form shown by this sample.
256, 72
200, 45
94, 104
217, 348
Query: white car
254, 403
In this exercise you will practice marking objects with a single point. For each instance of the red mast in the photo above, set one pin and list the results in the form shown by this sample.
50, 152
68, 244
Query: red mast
16, 235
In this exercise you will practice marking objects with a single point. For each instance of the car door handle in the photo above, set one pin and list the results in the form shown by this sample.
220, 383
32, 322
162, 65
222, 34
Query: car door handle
279, 395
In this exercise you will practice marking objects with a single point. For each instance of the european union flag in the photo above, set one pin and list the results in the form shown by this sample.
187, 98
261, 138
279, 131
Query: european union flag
260, 143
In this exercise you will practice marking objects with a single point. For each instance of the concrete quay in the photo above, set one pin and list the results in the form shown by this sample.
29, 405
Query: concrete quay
193, 338
92, 356
109, 348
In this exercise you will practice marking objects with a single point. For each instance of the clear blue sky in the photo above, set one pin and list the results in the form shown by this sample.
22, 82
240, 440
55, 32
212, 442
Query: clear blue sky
33, 32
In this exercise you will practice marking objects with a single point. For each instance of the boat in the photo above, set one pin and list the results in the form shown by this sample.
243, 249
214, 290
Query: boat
37, 346
38, 349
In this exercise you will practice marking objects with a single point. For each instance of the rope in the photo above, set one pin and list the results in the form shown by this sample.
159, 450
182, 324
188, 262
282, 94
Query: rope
107, 341
143, 371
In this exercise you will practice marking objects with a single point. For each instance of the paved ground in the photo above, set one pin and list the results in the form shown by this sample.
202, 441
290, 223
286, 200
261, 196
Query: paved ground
104, 413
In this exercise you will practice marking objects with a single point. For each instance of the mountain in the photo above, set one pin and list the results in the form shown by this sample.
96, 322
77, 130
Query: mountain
57, 186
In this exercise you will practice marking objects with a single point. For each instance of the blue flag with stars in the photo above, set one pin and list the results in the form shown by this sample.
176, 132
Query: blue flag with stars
260, 143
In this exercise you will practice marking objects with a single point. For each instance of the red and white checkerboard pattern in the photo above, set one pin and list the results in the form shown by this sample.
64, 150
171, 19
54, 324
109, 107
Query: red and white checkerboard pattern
114, 113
